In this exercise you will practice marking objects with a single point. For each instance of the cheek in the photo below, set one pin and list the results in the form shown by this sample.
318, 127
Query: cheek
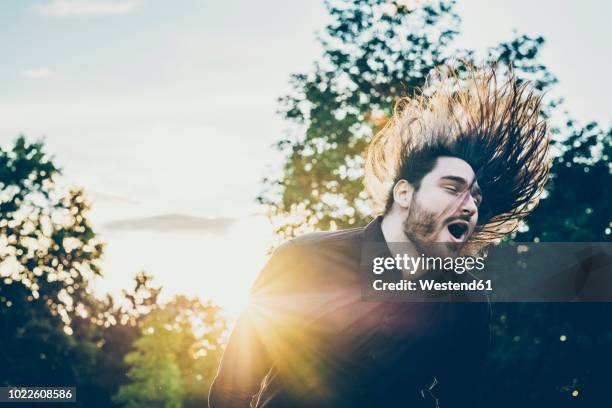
435, 201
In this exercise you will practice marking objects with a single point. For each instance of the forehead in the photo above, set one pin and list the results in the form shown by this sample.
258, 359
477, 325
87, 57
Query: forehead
450, 166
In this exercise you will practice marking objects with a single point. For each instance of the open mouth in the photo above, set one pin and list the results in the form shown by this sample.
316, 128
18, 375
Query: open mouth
458, 230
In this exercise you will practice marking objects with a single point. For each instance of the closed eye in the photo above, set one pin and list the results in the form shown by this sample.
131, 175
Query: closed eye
451, 189
454, 190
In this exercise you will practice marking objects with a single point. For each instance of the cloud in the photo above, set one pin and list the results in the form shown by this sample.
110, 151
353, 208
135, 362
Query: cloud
171, 223
37, 73
85, 8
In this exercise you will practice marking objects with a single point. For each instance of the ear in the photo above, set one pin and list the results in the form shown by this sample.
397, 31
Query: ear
402, 193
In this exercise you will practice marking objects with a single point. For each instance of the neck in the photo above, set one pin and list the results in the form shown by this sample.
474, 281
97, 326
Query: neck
392, 227
398, 243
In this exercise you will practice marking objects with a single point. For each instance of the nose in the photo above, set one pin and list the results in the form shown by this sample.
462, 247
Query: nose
468, 206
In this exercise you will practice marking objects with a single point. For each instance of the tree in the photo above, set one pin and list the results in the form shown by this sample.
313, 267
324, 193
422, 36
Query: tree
48, 253
374, 52
56, 331
567, 346
113, 326
154, 370
576, 207
175, 358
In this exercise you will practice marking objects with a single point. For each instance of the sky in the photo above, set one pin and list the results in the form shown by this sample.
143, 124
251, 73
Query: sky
165, 112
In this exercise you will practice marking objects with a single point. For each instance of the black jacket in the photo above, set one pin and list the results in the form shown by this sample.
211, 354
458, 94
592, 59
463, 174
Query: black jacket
309, 340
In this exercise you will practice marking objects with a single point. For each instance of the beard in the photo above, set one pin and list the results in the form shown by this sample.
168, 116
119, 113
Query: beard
422, 227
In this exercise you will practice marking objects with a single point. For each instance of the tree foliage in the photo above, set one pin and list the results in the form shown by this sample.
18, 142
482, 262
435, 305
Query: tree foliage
176, 356
47, 243
56, 332
376, 51
48, 253
373, 53
576, 207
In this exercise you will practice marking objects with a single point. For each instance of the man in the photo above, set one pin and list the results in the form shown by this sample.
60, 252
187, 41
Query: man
461, 164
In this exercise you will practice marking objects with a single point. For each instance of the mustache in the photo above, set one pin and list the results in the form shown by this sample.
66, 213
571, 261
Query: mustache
420, 221
466, 218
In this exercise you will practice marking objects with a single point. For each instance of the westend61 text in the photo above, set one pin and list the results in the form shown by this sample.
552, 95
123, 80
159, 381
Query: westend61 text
432, 285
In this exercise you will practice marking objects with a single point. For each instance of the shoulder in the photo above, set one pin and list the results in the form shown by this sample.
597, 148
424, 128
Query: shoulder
299, 259
327, 239
314, 243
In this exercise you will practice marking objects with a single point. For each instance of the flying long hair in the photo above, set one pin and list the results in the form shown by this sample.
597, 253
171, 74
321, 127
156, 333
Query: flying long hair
490, 120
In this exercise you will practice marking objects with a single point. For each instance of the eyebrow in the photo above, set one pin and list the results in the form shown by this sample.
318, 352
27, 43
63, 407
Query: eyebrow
462, 181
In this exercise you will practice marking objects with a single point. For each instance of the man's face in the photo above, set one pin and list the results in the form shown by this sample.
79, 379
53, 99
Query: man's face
444, 209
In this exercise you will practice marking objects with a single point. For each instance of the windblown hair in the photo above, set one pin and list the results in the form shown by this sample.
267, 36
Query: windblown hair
494, 125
